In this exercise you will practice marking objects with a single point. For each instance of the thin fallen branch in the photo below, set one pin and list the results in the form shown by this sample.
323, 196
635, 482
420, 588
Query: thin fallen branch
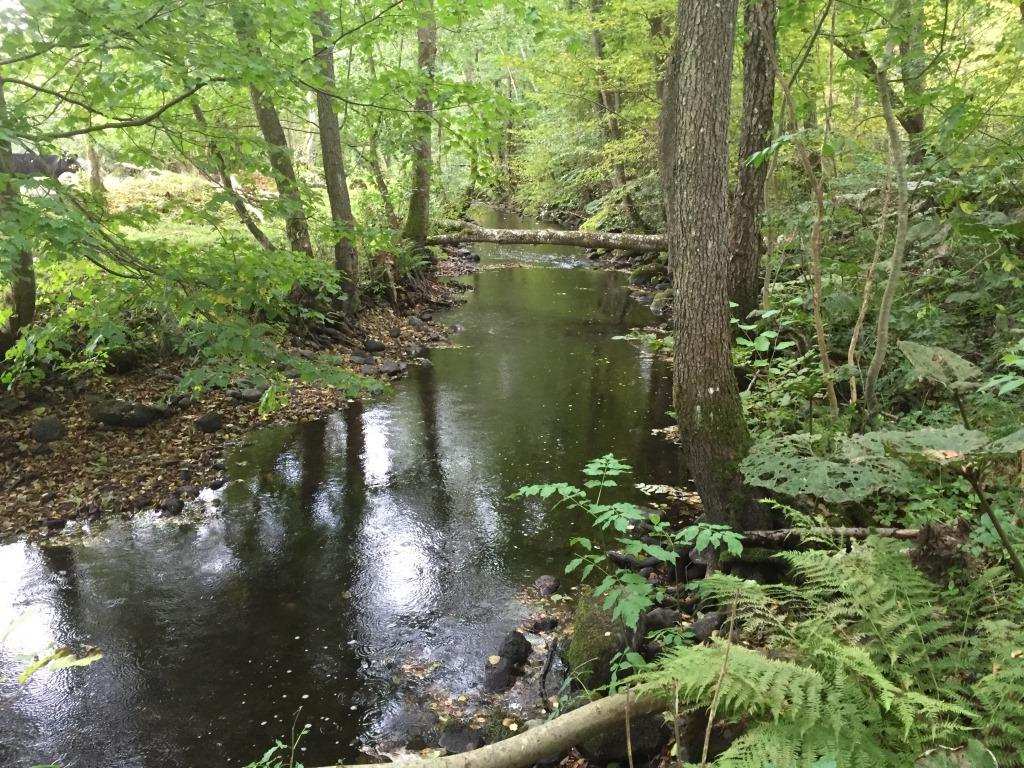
794, 536
471, 233
549, 740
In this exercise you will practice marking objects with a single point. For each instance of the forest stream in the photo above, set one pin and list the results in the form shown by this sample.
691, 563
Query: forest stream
343, 552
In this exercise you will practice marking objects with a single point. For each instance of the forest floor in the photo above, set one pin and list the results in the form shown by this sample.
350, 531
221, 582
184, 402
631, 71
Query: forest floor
59, 463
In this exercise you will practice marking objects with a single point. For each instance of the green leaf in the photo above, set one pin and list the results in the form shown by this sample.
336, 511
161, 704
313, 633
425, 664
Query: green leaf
940, 365
60, 658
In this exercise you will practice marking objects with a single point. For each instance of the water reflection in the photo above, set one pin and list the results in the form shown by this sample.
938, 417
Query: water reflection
344, 548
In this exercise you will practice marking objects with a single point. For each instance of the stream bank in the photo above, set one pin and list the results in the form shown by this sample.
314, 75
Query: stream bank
349, 562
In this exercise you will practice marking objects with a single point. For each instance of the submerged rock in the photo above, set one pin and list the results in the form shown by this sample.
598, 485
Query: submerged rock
546, 585
515, 647
647, 734
502, 670
596, 640
457, 738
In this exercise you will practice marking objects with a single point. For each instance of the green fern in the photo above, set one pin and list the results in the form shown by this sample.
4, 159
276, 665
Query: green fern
863, 662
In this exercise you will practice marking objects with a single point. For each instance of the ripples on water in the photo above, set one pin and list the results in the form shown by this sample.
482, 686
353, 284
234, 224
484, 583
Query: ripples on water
343, 548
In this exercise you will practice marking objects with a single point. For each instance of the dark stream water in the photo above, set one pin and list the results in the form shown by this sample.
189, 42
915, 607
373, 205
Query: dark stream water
343, 549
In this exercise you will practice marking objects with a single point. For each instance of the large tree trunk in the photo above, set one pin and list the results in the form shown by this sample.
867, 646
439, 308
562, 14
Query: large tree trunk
694, 157
224, 176
609, 102
418, 219
21, 267
279, 154
746, 243
346, 259
553, 738
470, 233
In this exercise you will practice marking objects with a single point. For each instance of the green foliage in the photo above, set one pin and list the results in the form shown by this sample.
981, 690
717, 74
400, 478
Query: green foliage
634, 531
865, 662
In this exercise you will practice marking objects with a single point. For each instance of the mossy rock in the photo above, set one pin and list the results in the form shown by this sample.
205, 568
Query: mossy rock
647, 273
662, 301
596, 639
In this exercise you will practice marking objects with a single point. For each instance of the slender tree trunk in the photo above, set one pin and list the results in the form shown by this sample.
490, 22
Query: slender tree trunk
373, 162
92, 156
899, 247
694, 158
21, 266
810, 161
909, 17
279, 154
746, 242
417, 221
609, 102
853, 351
224, 176
346, 259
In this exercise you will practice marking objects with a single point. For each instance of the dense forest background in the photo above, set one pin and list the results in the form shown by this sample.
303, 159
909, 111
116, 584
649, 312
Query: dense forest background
823, 201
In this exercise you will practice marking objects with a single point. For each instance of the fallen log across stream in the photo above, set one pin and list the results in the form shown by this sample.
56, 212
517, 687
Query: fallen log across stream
623, 241
553, 738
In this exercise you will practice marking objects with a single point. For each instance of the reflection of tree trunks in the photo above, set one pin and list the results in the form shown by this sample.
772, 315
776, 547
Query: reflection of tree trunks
355, 460
313, 455
427, 390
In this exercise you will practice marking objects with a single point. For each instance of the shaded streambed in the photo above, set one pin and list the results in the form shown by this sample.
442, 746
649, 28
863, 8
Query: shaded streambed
343, 551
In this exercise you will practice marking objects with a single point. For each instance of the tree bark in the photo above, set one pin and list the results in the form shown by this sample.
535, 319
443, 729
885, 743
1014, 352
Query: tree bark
346, 259
418, 218
224, 176
471, 233
609, 103
694, 158
279, 154
96, 188
909, 16
22, 296
746, 243
551, 739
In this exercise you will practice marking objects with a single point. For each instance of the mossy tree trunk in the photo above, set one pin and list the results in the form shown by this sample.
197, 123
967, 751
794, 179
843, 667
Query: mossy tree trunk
746, 243
20, 266
417, 221
278, 152
694, 156
346, 259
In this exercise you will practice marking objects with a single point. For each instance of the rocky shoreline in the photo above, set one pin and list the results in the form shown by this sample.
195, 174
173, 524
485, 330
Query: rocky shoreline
130, 442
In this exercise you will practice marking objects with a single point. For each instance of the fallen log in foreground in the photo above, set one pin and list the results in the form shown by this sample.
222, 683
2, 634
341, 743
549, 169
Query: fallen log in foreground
795, 536
623, 241
543, 742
